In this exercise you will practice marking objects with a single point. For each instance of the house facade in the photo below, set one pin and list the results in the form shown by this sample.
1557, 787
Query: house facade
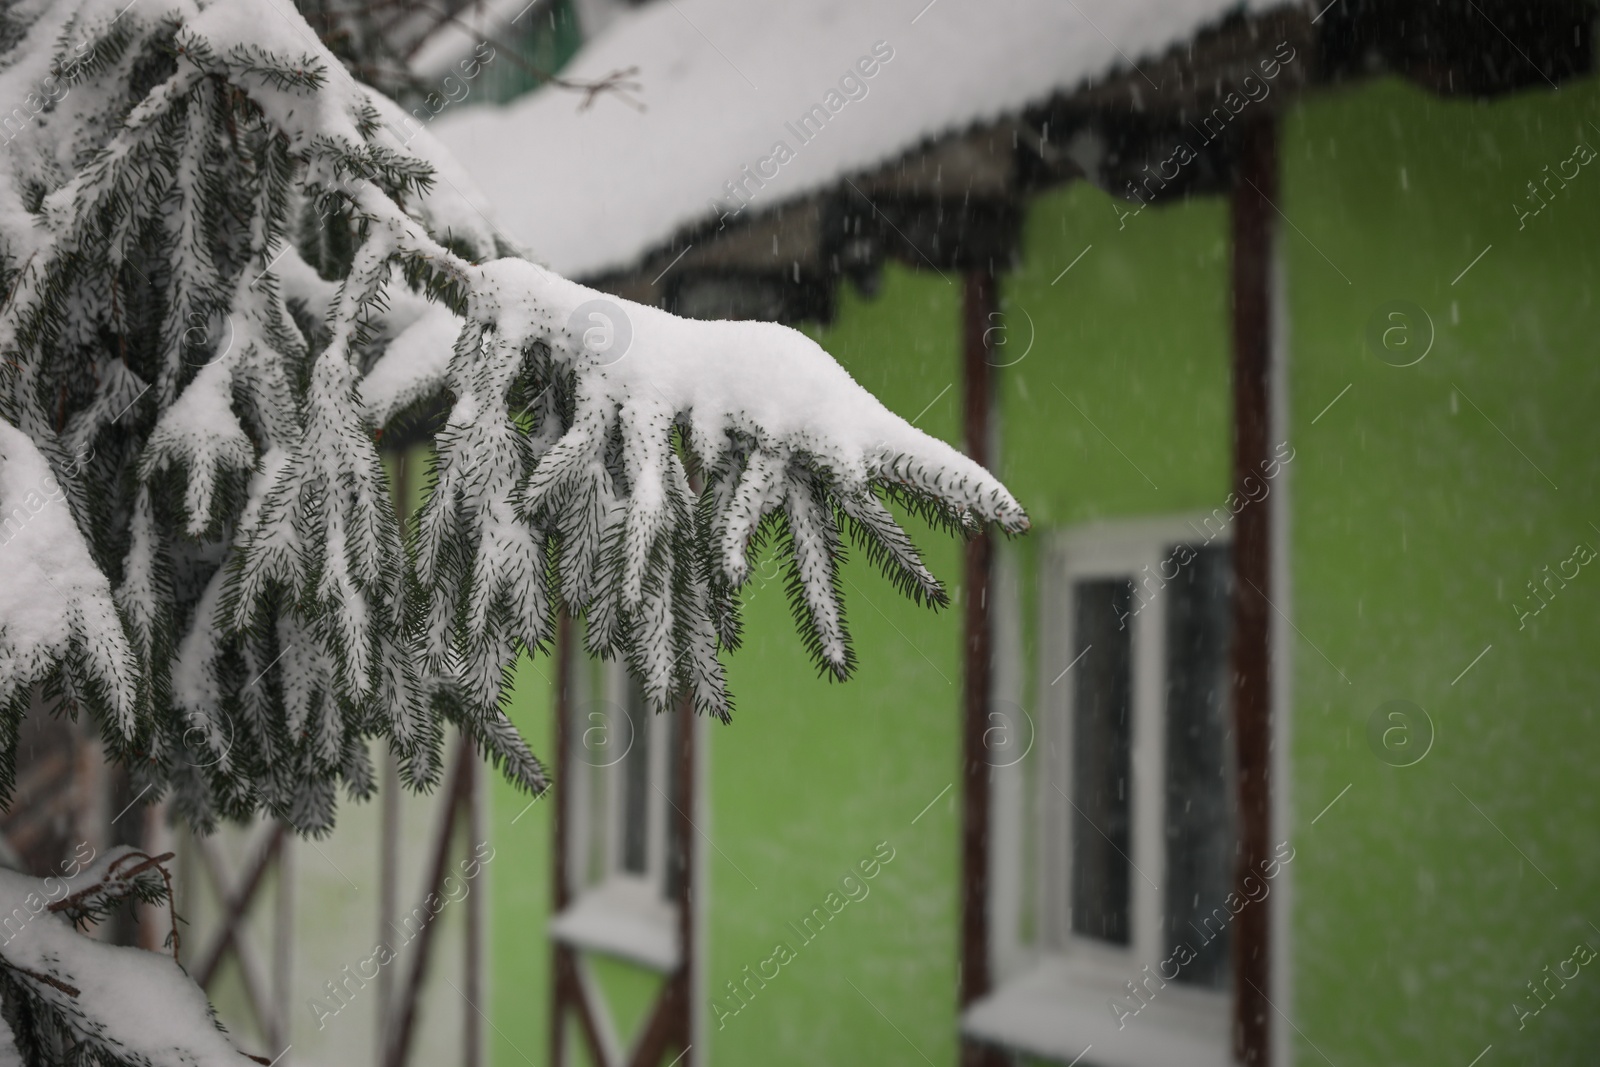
1269, 743
1272, 742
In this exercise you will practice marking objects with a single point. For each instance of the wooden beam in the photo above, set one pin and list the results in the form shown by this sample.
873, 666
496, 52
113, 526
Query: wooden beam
283, 953
683, 1031
979, 302
561, 984
153, 921
472, 1052
565, 637
977, 305
666, 1028
41, 801
570, 992
235, 904
1255, 192
405, 1012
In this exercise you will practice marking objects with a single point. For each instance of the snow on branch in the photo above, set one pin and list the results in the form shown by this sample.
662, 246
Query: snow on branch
227, 272
58, 623
74, 999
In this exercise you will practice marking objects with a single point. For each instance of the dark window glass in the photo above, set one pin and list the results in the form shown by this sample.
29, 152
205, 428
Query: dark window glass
1102, 733
1199, 793
636, 787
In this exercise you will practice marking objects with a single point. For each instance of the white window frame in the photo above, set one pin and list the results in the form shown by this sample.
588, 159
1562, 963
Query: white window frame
622, 913
1054, 991
1091, 554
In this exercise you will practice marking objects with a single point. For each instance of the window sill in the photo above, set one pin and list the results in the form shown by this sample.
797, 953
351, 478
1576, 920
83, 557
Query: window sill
1058, 1008
622, 917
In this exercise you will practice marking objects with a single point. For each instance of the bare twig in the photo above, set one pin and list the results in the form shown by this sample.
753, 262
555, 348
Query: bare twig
18, 280
69, 990
618, 81
125, 878
112, 874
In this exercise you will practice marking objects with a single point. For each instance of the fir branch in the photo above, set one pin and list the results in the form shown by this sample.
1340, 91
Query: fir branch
201, 298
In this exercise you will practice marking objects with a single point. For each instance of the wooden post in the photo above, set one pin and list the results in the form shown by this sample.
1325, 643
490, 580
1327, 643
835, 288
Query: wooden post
979, 303
1254, 193
563, 982
472, 1050
683, 1029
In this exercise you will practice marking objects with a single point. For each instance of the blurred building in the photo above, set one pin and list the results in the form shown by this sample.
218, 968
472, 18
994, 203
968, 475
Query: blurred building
1276, 317
1271, 744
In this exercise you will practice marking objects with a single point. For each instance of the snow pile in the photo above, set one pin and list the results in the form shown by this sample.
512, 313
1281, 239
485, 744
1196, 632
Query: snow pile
55, 604
9, 1056
414, 366
726, 81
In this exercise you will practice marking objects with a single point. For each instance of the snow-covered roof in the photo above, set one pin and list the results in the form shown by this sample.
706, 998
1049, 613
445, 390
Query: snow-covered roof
726, 80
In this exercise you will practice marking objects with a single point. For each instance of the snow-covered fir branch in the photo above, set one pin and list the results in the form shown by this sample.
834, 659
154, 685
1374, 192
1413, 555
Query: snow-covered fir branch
225, 273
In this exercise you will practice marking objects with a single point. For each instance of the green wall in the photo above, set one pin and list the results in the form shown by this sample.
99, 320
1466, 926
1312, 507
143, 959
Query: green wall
1122, 407
1419, 515
1414, 523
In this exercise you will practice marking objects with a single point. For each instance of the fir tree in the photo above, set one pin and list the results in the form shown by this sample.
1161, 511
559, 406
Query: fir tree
226, 269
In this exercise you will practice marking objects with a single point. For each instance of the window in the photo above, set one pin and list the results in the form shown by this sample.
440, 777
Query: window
1139, 813
1131, 834
626, 851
